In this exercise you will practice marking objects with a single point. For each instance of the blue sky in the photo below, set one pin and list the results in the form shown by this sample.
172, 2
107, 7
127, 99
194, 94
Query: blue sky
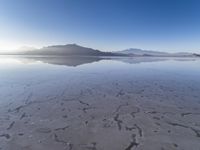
109, 25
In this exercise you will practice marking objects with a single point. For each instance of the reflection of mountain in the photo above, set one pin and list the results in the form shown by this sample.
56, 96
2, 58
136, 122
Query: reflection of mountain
137, 60
76, 61
62, 60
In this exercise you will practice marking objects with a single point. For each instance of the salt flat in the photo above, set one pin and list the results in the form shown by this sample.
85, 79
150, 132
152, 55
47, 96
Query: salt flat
99, 104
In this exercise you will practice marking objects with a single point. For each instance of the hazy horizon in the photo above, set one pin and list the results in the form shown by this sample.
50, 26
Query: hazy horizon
32, 48
170, 26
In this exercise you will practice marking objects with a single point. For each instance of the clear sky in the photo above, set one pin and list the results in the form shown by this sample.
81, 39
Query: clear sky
109, 25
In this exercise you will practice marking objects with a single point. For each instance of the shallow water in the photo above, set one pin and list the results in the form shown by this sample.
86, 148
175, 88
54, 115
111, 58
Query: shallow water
91, 103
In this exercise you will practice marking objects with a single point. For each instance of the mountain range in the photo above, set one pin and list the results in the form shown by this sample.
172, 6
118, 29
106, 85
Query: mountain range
69, 50
77, 50
140, 52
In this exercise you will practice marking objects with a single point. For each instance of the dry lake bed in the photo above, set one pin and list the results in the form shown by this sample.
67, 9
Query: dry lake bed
59, 103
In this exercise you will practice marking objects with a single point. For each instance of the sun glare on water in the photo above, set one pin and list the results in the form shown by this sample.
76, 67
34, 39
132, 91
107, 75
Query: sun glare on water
9, 61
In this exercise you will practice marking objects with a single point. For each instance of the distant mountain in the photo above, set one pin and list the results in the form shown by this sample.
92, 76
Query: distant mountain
140, 52
69, 50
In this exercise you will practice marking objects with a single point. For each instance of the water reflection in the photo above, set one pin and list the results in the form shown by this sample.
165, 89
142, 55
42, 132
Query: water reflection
43, 100
67, 61
77, 61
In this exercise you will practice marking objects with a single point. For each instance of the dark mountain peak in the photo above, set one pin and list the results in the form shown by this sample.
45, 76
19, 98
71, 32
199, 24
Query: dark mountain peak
74, 44
195, 54
67, 47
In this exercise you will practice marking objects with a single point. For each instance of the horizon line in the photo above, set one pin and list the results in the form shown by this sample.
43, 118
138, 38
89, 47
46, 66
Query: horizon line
31, 47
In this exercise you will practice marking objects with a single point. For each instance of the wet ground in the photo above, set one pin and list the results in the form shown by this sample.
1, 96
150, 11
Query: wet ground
99, 103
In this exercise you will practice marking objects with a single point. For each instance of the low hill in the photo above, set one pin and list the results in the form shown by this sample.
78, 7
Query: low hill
140, 52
